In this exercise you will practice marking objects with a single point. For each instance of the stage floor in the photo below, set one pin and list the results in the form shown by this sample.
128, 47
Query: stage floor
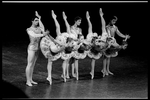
130, 79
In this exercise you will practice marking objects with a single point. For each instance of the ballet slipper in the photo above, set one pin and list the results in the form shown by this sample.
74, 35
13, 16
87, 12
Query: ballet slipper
104, 73
29, 84
92, 75
67, 77
110, 73
73, 75
62, 75
33, 82
50, 80
77, 78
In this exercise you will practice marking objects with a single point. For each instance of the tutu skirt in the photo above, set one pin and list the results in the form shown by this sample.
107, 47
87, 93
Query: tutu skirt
94, 52
67, 53
45, 46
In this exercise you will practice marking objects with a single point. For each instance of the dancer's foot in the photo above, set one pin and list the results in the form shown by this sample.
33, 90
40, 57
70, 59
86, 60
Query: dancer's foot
104, 73
67, 76
110, 73
65, 79
73, 75
29, 84
50, 80
53, 15
33, 82
92, 75
62, 75
77, 78
87, 15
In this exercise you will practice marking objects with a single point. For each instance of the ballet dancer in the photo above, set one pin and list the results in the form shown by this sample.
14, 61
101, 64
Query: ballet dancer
108, 33
35, 32
74, 32
96, 45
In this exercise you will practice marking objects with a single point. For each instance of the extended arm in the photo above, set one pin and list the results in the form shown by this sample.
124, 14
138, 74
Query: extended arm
41, 25
119, 33
31, 33
40, 22
103, 21
56, 23
66, 22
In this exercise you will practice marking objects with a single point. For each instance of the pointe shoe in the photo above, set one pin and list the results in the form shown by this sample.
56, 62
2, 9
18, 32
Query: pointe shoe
73, 75
92, 75
67, 77
102, 71
65, 80
62, 76
34, 82
29, 84
110, 73
77, 78
107, 73
50, 80
104, 74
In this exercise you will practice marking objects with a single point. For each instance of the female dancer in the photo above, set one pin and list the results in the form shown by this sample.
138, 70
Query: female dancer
53, 48
64, 39
35, 32
74, 31
93, 39
108, 33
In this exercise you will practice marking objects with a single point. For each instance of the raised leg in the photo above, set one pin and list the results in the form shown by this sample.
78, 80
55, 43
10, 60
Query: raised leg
56, 23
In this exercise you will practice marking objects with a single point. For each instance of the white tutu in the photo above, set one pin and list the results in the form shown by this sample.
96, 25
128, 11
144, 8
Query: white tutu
48, 49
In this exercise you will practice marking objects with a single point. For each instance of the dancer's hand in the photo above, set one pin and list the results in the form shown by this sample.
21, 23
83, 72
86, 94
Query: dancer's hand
87, 15
46, 32
53, 14
127, 36
64, 15
100, 11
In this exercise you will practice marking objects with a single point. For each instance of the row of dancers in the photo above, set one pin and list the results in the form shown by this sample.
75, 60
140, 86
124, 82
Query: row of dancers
72, 46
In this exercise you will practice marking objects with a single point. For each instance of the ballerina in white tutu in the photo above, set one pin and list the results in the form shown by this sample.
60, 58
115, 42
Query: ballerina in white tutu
96, 44
108, 33
53, 48
74, 32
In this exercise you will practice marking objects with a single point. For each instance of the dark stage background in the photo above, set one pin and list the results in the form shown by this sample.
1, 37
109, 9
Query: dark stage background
132, 20
130, 67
